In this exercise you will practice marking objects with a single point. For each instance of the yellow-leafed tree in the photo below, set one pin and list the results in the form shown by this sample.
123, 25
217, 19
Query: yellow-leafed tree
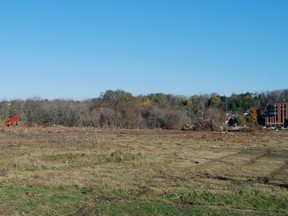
254, 116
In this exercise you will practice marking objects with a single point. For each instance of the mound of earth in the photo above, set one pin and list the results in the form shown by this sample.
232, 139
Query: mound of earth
204, 125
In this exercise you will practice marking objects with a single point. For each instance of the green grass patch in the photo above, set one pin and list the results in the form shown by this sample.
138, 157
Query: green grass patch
45, 200
96, 200
242, 199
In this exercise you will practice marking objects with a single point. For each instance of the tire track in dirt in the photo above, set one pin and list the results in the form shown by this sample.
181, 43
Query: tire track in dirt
268, 179
239, 168
255, 156
280, 170
271, 178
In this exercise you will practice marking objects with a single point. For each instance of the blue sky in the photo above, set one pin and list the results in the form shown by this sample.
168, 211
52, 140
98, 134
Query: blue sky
74, 49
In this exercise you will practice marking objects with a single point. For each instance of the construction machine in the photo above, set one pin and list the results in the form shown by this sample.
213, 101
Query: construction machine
13, 121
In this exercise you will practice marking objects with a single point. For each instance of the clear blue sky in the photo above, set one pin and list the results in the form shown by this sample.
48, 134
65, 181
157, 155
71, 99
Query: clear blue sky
76, 49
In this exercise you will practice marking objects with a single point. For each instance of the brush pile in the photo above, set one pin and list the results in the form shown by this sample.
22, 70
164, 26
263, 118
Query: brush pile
204, 125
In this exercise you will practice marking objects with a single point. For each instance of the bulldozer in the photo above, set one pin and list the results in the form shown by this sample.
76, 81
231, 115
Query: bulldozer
13, 121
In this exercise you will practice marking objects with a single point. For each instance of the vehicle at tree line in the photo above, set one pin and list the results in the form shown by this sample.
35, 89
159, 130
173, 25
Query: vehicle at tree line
12, 121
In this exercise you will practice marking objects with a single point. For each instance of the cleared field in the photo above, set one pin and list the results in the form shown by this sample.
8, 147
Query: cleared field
87, 171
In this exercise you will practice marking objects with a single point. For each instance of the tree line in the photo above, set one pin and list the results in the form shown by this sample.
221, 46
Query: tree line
120, 109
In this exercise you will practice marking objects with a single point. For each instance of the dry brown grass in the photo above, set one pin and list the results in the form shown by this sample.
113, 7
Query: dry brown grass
144, 165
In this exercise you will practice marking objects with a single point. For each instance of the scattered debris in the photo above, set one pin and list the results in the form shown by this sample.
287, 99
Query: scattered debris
185, 201
187, 127
118, 155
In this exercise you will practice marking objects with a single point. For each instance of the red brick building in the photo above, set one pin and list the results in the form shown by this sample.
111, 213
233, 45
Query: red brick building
276, 114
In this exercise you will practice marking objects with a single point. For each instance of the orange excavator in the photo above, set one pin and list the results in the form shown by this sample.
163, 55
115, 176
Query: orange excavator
12, 120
